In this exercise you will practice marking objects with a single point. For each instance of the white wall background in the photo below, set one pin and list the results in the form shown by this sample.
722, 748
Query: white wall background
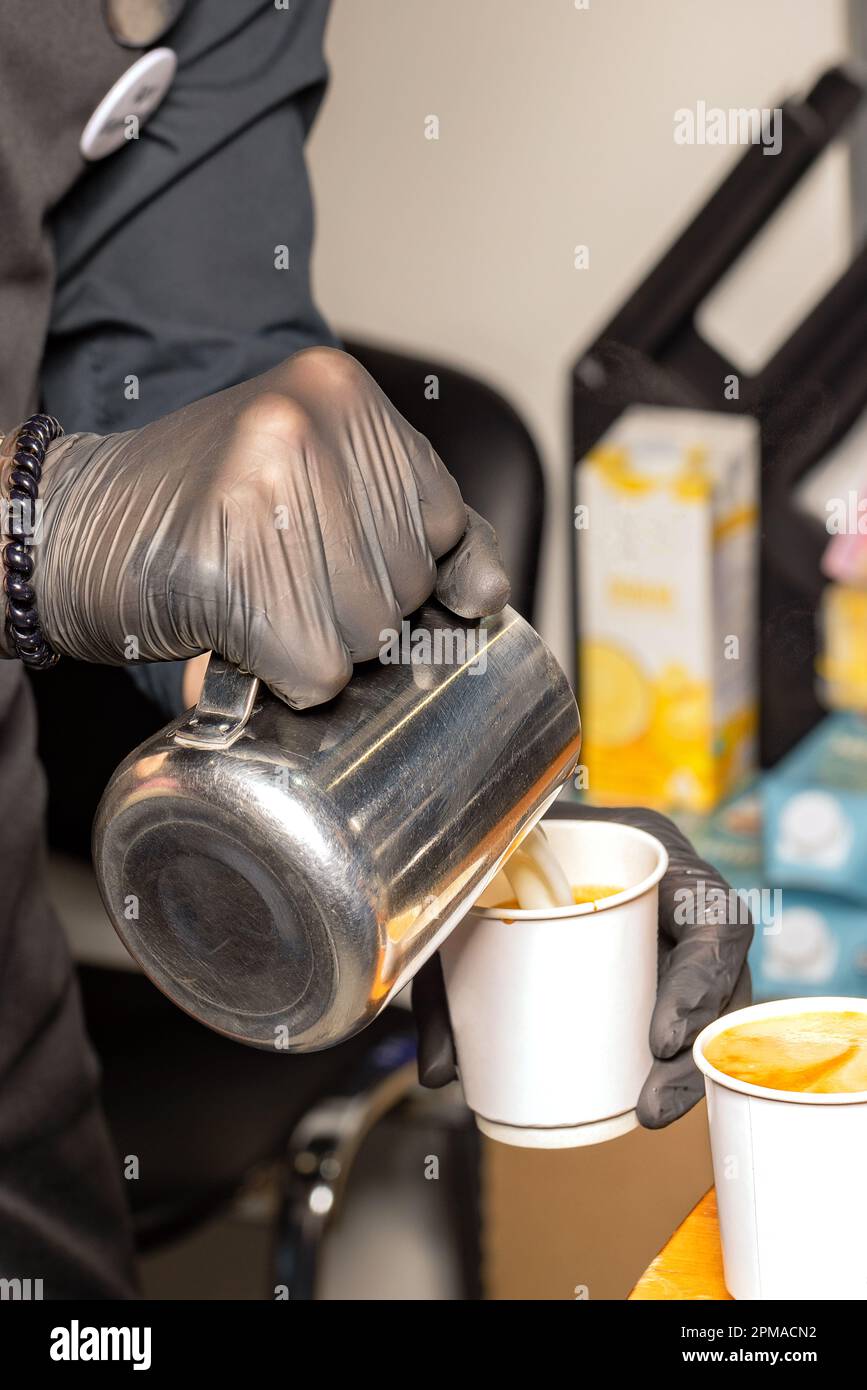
556, 129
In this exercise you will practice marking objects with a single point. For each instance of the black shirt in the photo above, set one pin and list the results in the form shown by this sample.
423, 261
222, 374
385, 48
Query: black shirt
127, 288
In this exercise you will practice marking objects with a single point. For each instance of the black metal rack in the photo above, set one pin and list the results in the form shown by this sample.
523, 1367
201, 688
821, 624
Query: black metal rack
805, 397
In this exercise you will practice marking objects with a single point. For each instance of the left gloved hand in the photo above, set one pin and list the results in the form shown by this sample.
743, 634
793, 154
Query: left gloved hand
703, 973
285, 523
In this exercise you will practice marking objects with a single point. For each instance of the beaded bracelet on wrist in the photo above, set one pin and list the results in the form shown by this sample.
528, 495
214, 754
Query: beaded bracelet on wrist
26, 638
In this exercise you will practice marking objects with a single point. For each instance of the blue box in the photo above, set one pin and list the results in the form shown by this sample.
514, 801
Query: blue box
816, 945
805, 943
815, 812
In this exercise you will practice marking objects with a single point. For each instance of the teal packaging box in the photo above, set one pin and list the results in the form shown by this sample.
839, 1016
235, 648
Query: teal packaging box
817, 944
815, 812
805, 943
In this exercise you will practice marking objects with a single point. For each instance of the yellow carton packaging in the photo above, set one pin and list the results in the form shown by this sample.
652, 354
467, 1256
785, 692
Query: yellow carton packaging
841, 664
667, 530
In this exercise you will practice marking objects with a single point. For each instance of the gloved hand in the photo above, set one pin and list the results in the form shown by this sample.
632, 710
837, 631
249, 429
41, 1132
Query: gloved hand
282, 523
703, 973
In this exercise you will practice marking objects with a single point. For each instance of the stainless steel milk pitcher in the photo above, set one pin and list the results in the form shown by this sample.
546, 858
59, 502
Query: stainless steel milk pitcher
281, 874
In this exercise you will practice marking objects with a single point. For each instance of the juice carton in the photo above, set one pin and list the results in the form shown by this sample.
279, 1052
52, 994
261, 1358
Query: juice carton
667, 533
841, 665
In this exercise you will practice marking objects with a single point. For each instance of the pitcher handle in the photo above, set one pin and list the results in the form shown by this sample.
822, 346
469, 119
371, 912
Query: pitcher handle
225, 705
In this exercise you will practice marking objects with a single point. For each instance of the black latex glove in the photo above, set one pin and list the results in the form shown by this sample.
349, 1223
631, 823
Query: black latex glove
703, 973
283, 523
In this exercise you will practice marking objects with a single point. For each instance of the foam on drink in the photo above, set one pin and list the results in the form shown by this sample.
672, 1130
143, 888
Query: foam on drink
822, 1052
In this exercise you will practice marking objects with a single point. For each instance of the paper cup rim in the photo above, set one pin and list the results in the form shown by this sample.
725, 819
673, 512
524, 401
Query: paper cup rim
778, 1008
559, 914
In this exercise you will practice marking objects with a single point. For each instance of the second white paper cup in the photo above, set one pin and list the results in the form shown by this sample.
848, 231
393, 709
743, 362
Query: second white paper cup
551, 1009
789, 1168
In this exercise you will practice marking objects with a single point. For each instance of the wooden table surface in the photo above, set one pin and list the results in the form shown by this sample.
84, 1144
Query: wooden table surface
690, 1265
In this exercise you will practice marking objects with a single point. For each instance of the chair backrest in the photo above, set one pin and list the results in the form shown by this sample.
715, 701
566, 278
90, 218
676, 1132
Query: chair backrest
484, 444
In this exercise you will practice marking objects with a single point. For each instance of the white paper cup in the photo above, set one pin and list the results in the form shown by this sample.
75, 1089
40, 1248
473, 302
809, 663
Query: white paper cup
551, 1009
790, 1169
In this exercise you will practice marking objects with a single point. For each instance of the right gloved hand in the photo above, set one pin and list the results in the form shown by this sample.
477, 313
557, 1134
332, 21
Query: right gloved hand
283, 523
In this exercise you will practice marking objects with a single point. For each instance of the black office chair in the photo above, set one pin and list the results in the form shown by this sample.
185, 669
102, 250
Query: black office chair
201, 1112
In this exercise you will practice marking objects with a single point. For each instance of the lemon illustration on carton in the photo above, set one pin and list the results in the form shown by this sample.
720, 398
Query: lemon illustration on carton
618, 698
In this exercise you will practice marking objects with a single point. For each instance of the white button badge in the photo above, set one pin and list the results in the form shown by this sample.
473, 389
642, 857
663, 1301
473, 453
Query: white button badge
134, 96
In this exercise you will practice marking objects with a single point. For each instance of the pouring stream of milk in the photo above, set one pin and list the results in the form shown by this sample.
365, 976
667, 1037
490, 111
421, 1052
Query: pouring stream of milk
535, 874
